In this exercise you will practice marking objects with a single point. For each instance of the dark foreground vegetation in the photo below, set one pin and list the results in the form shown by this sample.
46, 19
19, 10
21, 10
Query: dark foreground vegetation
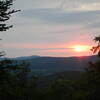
18, 83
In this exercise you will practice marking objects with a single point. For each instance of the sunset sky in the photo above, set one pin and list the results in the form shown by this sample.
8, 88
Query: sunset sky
52, 28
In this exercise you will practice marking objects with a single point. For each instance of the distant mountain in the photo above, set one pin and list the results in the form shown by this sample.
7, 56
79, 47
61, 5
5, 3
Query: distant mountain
50, 65
25, 57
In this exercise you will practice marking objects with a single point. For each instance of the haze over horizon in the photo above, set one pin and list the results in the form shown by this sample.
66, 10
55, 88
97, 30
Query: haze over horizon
52, 28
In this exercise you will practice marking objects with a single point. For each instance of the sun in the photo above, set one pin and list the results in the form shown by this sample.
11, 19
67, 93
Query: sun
80, 48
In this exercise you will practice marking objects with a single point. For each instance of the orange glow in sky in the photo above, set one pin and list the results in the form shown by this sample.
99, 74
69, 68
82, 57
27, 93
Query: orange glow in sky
80, 48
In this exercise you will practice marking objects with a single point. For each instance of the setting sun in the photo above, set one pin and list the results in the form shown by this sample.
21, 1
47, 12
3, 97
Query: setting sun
80, 48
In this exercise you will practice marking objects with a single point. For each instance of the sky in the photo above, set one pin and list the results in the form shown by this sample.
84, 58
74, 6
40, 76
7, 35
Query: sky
52, 28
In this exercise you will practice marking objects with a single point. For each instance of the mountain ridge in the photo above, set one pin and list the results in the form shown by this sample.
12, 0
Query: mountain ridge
50, 65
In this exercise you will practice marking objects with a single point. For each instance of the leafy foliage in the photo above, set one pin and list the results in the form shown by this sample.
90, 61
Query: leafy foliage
15, 82
60, 90
96, 48
5, 13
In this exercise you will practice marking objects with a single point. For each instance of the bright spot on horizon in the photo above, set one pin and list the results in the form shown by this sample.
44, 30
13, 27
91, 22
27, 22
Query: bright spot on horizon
80, 48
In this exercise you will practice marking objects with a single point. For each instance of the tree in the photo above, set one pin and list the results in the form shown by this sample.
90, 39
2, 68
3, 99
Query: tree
60, 90
5, 13
96, 48
90, 83
16, 81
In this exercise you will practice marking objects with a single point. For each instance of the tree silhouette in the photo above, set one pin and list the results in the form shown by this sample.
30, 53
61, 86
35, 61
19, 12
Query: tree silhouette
96, 48
5, 13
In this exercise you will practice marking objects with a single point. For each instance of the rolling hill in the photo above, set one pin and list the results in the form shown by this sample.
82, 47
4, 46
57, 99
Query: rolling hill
50, 65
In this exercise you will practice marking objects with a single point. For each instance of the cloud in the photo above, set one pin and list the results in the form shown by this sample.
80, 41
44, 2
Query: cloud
80, 5
56, 16
68, 5
51, 24
31, 4
95, 25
